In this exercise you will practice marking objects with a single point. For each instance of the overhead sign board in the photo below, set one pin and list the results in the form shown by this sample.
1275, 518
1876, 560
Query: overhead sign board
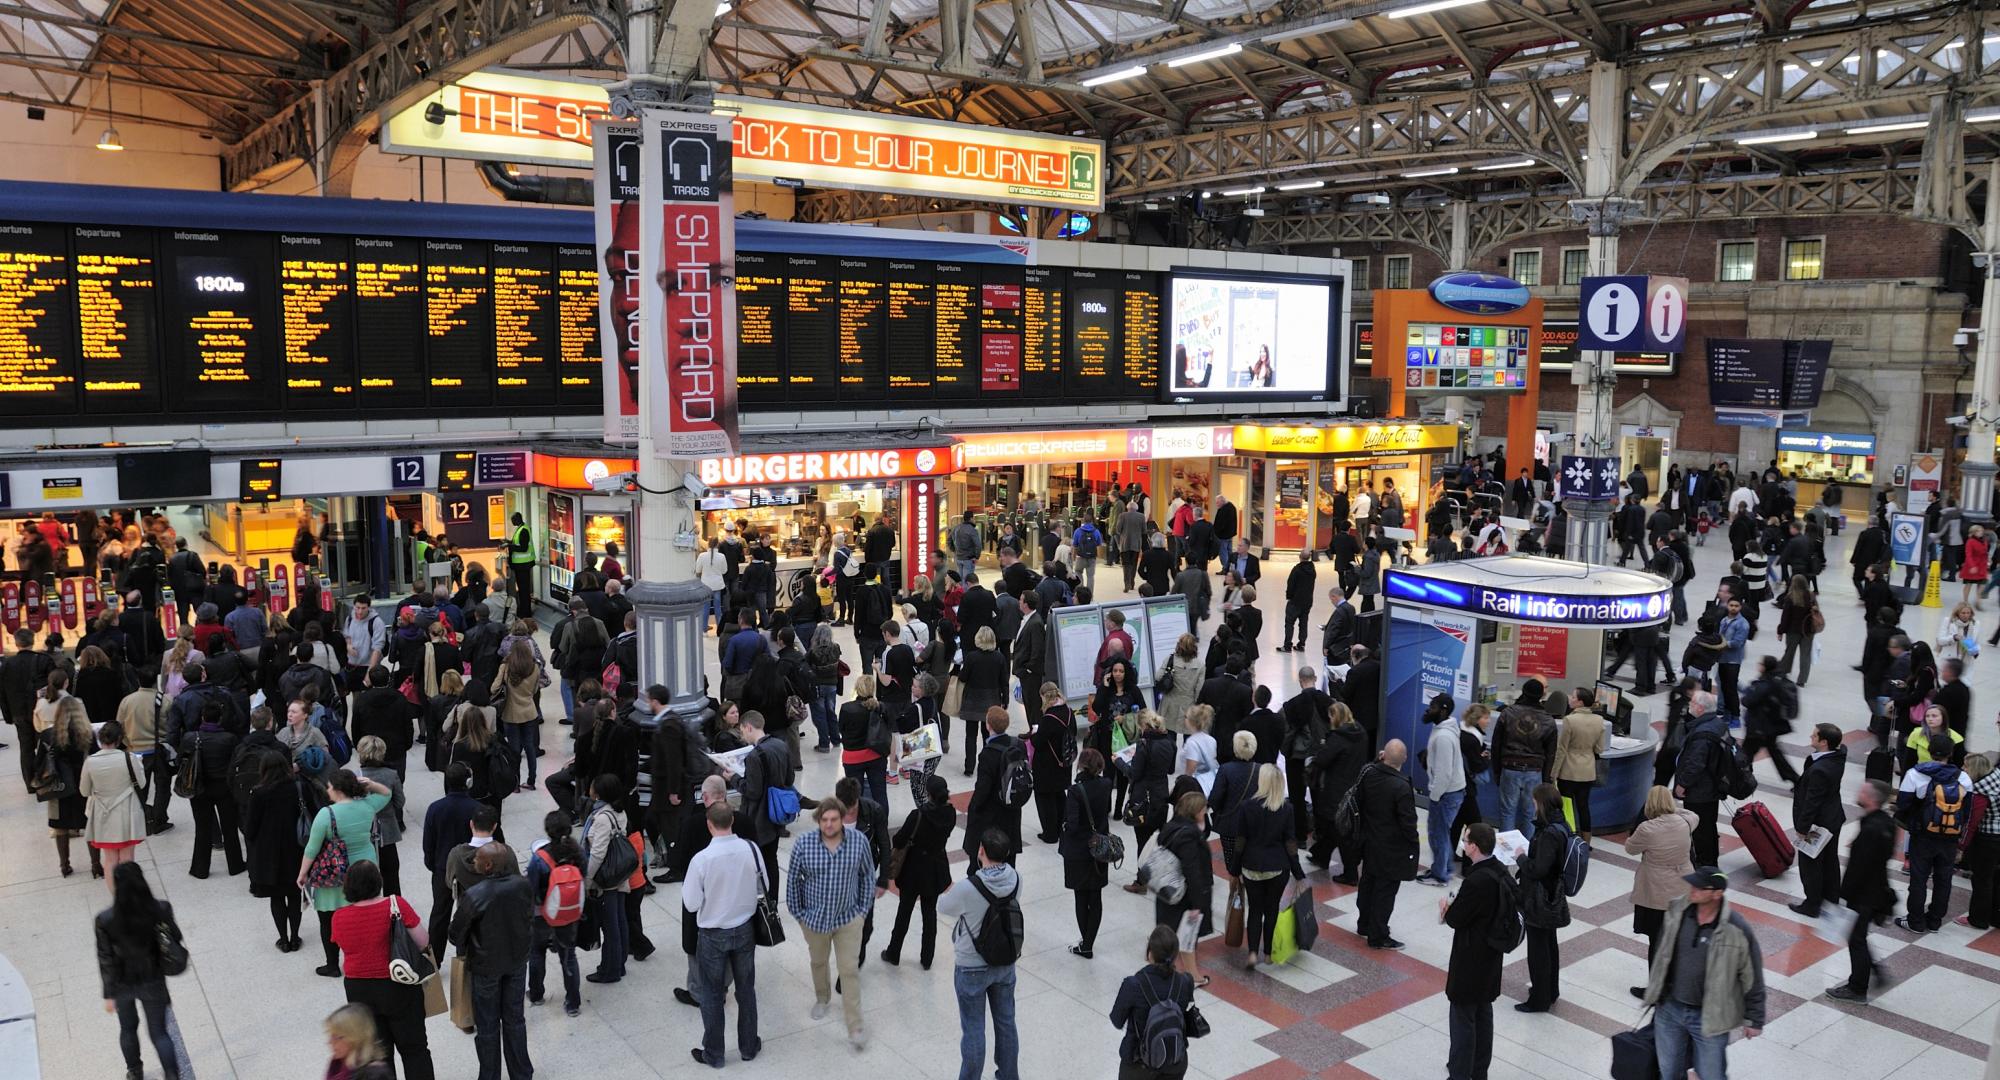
500, 115
830, 466
1633, 311
1827, 442
1344, 439
1589, 479
1529, 605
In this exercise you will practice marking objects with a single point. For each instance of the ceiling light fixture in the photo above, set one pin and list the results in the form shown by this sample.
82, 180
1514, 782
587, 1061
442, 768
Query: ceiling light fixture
1893, 125
1778, 137
1230, 49
1114, 76
1982, 118
109, 140
1233, 192
1430, 172
1306, 31
1521, 164
1302, 185
1433, 5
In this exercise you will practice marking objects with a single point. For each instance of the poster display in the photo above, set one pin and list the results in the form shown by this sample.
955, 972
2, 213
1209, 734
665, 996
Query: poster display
1926, 481
616, 146
688, 230
1543, 654
1247, 336
1079, 633
1428, 653
1166, 621
1147, 660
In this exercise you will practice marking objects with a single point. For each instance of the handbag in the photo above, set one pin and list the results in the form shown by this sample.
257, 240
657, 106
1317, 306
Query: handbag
1103, 846
1194, 1022
461, 994
1232, 930
187, 781
766, 929
329, 867
408, 964
1305, 909
1633, 1056
53, 779
954, 696
173, 950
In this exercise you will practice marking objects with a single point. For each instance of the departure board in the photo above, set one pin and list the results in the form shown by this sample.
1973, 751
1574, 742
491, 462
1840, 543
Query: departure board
1042, 333
760, 321
458, 321
262, 481
1093, 330
117, 293
909, 339
1139, 331
389, 320
812, 316
316, 316
955, 321
524, 324
860, 336
579, 366
1000, 331
37, 310
222, 320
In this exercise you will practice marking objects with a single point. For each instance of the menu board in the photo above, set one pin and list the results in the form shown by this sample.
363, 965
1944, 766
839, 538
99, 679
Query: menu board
37, 356
316, 318
458, 320
579, 368
389, 320
1449, 359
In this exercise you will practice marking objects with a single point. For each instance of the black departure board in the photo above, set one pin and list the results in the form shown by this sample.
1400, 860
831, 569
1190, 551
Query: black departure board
955, 322
457, 470
579, 357
760, 324
524, 324
911, 349
1139, 331
117, 297
389, 320
316, 320
219, 339
37, 311
1042, 333
812, 316
860, 335
458, 321
1093, 330
262, 480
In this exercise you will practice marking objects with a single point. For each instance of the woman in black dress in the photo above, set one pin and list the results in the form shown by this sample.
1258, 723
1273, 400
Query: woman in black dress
926, 871
1054, 740
272, 850
1086, 813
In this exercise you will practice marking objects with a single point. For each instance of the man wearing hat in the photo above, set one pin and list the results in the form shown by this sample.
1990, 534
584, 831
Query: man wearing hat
1707, 980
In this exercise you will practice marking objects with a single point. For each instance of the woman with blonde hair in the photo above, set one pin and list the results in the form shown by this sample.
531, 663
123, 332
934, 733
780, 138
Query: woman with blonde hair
1182, 675
1661, 841
173, 668
1198, 750
984, 673
438, 712
1957, 639
372, 755
517, 699
1267, 849
1152, 775
867, 764
356, 1049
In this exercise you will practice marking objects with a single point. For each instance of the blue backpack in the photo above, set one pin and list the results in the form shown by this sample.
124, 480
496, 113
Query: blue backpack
338, 746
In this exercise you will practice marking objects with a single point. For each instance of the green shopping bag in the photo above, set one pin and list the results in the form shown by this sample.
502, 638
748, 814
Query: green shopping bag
1285, 939
1569, 813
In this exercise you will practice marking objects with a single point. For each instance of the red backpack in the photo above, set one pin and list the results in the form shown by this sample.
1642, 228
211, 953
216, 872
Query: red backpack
563, 903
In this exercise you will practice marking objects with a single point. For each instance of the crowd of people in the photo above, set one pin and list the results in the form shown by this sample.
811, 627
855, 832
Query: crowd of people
292, 737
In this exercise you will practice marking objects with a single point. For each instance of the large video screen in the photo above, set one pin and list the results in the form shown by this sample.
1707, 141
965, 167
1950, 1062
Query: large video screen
1251, 336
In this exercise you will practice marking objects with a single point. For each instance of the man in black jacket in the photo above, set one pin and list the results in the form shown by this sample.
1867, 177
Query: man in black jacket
1388, 812
381, 710
989, 808
1870, 545
1696, 774
1198, 544
1230, 697
1628, 526
189, 578
1816, 801
871, 609
975, 608
491, 926
1952, 695
1472, 980
184, 715
1031, 654
22, 675
1015, 576
1363, 692
1225, 524
145, 641
768, 766
1300, 585
1866, 889
1306, 723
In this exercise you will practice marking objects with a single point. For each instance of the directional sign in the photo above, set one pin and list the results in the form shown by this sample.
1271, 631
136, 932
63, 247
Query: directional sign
1666, 314
1611, 308
406, 472
1588, 479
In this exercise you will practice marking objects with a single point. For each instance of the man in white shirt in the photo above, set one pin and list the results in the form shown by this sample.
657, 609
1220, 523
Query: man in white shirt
724, 882
1742, 499
1363, 506
711, 566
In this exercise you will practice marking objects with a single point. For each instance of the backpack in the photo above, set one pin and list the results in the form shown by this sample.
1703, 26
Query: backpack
1509, 928
1731, 772
1002, 932
244, 770
1944, 805
1065, 742
1162, 1035
781, 804
503, 769
187, 780
563, 903
1017, 783
339, 747
1087, 541
1576, 863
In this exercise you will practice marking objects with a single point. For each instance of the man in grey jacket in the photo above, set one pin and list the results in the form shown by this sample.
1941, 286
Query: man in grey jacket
1130, 532
982, 980
1707, 980
1444, 779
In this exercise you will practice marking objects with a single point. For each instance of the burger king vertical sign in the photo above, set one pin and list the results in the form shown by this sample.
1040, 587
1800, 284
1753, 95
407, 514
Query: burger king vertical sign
688, 225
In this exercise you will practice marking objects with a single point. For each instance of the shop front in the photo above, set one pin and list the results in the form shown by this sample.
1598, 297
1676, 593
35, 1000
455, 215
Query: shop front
1817, 459
1296, 472
798, 501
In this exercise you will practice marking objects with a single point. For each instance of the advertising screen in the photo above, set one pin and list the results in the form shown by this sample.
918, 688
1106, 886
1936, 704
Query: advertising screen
1448, 359
1240, 337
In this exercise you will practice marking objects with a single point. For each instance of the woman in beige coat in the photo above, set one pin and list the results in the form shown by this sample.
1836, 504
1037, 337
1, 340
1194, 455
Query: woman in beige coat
1187, 679
117, 810
1661, 842
517, 690
1582, 740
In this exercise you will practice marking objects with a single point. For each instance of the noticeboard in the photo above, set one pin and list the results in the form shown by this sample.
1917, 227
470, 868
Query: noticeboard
1166, 620
1079, 633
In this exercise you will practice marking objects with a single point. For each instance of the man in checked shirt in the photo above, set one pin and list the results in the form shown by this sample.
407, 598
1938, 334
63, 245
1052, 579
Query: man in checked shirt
830, 892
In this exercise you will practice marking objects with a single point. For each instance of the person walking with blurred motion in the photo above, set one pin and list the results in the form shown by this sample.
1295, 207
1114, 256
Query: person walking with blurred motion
357, 1052
1866, 890
831, 889
492, 928
271, 847
1267, 856
133, 970
361, 930
1190, 914
348, 817
1134, 1008
1544, 906
921, 845
1661, 842
65, 743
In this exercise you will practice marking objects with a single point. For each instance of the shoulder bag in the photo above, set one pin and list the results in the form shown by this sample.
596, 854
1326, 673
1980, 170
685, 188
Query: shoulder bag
1105, 847
408, 964
766, 929
187, 782
173, 950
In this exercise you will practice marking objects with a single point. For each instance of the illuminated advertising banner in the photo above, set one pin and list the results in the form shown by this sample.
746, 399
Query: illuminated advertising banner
1345, 439
1528, 605
1193, 441
1251, 336
688, 228
823, 147
497, 115
829, 466
1429, 653
618, 285
1826, 442
1055, 447
920, 529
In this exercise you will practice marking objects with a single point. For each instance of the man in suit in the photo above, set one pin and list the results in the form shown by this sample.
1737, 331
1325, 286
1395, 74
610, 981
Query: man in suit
1130, 532
1244, 562
1388, 806
1031, 653
1627, 526
1522, 494
1230, 697
1225, 525
1363, 692
976, 608
1198, 543
1866, 889
1472, 980
1816, 801
1337, 640
1300, 585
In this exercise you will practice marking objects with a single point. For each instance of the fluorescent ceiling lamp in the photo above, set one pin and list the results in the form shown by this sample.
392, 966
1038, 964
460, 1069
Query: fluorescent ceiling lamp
1894, 125
1302, 185
722, 9
1982, 118
1781, 137
1521, 164
1114, 76
1433, 5
1305, 31
1956, 44
1430, 172
1243, 191
1230, 49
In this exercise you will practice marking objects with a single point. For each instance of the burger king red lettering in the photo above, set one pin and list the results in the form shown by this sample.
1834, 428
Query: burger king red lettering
766, 470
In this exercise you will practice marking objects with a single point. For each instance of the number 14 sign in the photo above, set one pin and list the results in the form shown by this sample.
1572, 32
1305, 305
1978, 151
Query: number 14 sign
1633, 313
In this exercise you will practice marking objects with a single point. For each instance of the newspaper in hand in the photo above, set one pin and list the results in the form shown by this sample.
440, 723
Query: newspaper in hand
731, 761
1509, 847
1835, 923
1812, 842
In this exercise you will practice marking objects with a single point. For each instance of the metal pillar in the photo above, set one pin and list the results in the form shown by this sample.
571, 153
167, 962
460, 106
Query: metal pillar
1455, 405
1587, 533
1977, 473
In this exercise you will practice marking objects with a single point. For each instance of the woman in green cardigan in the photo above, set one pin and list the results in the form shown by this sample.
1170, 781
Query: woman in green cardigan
349, 814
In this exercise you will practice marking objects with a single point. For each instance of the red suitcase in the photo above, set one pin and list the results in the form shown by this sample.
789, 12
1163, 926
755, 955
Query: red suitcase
1764, 837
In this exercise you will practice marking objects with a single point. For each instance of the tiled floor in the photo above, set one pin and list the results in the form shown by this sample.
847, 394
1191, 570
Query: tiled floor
1344, 1012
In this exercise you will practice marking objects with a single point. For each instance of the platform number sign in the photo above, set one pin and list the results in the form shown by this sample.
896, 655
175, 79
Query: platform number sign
1633, 313
458, 511
406, 472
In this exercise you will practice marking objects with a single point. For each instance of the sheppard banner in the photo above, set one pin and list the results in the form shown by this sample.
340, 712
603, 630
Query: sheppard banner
688, 224
617, 188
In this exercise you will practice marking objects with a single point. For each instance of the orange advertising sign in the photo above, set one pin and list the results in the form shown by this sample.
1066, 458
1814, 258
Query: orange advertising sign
502, 116
577, 473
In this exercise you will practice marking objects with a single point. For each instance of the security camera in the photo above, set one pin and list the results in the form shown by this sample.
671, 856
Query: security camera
1958, 421
622, 483
693, 486
1961, 339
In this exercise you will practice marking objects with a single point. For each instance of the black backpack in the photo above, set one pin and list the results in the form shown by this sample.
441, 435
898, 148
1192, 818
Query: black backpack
503, 769
1002, 932
1086, 543
1162, 1035
1508, 928
1017, 783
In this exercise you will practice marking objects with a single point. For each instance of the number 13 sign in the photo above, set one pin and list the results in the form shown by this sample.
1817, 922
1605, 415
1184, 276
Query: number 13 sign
1633, 313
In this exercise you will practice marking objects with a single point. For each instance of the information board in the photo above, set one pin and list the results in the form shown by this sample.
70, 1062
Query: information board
261, 480
457, 470
1766, 373
1079, 633
1166, 620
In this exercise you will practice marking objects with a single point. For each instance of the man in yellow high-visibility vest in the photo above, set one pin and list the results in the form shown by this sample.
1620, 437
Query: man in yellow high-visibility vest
521, 564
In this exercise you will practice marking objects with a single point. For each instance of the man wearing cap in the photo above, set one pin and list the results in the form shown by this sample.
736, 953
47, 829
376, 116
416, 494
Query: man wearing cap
1707, 980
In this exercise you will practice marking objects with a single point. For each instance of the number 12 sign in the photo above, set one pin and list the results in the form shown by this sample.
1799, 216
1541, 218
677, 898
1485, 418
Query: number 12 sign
1633, 313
